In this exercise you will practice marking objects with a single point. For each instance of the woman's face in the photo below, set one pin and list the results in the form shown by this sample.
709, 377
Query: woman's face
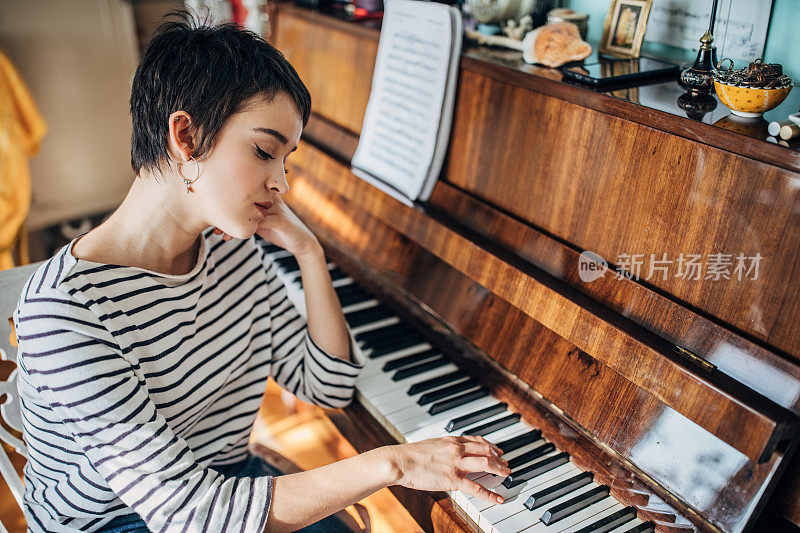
245, 170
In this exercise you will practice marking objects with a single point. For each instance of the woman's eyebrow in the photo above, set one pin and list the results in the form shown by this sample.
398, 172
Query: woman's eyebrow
275, 133
278, 135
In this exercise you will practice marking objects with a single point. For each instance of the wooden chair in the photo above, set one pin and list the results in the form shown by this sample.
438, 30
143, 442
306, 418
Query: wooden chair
11, 284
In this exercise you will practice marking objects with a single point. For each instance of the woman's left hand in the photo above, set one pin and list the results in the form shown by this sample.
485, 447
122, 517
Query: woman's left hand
282, 228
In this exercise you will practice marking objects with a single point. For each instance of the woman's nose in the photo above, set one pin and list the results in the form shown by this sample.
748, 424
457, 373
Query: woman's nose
278, 184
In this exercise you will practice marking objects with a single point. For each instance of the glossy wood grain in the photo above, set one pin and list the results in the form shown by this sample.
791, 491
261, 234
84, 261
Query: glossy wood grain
538, 171
630, 350
629, 419
334, 60
614, 187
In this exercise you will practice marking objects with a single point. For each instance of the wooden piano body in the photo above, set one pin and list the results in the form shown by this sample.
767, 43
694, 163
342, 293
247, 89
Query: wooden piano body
682, 395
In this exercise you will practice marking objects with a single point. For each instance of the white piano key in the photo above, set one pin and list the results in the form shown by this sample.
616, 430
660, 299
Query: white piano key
426, 427
415, 414
393, 401
375, 325
616, 506
514, 430
523, 519
374, 367
358, 306
377, 384
583, 517
630, 525
515, 497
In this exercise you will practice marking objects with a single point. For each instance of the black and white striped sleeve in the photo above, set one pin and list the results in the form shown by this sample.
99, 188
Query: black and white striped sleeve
298, 363
98, 397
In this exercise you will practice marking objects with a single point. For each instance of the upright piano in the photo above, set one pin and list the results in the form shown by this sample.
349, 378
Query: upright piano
647, 397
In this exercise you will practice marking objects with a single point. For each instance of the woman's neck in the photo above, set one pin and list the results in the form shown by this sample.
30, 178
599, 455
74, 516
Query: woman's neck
151, 229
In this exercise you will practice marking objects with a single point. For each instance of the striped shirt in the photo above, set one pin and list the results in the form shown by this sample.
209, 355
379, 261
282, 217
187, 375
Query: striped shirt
133, 383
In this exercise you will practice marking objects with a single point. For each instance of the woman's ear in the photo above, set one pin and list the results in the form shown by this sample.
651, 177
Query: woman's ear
180, 142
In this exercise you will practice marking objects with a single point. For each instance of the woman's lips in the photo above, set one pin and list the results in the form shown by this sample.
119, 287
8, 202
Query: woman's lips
263, 207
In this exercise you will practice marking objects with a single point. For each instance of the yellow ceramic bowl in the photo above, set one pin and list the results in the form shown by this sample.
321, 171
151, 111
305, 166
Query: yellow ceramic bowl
749, 101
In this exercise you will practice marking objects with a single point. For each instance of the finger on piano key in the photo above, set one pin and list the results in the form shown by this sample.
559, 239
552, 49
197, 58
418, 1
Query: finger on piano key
610, 519
515, 497
495, 483
523, 519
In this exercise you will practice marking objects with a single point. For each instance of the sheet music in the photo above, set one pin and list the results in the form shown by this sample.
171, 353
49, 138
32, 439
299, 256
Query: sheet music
740, 30
409, 87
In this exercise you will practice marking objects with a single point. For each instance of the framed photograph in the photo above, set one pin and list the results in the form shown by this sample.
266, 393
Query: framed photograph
625, 27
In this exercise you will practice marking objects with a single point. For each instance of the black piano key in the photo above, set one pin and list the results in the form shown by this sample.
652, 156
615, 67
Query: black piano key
452, 403
612, 521
536, 469
573, 505
432, 383
408, 342
395, 342
287, 264
272, 248
441, 394
474, 418
490, 427
647, 527
337, 273
367, 316
347, 298
515, 443
531, 455
416, 370
390, 331
544, 496
402, 362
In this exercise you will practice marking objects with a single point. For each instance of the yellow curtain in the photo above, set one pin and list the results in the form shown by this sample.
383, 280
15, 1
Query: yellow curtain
21, 130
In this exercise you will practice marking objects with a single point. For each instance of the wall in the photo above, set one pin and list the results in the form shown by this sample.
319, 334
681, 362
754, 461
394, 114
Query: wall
77, 58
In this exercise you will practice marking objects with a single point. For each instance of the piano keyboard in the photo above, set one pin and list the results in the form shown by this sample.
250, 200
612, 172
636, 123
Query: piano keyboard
417, 393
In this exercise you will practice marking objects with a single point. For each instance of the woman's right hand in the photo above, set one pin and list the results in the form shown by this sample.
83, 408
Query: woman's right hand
443, 464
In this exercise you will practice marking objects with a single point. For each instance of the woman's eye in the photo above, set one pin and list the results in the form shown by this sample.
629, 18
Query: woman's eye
262, 154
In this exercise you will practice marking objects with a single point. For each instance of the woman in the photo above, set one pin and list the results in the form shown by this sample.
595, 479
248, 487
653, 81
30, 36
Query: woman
145, 345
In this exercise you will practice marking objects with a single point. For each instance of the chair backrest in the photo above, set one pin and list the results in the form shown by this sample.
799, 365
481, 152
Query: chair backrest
11, 283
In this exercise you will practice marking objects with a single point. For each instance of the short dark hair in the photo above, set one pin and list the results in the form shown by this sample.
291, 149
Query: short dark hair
208, 71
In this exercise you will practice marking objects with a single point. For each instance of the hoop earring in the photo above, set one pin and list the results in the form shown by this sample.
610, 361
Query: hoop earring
186, 182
